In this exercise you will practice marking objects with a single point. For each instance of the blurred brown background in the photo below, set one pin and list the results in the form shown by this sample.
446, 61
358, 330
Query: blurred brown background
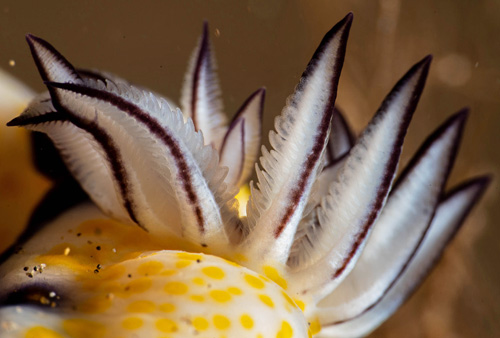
268, 43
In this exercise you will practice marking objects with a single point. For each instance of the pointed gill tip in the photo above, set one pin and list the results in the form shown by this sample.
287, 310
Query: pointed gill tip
16, 121
481, 184
205, 28
425, 63
485, 181
349, 17
457, 119
345, 24
462, 114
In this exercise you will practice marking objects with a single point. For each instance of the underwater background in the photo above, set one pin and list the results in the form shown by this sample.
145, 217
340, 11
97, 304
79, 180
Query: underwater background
268, 43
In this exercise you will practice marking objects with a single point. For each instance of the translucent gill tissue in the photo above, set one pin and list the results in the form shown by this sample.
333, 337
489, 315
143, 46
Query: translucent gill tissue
328, 246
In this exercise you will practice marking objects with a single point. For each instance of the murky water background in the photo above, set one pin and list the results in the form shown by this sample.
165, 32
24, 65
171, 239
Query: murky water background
268, 43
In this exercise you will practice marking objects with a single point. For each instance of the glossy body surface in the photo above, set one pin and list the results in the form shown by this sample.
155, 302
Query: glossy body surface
447, 132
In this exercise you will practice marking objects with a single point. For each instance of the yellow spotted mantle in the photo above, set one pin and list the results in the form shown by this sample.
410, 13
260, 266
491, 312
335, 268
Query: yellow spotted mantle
126, 286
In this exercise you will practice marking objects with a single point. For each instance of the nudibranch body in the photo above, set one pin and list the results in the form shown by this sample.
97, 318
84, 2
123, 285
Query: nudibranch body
328, 246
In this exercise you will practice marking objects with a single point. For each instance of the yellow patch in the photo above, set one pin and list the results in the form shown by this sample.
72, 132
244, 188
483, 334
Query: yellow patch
189, 256
266, 300
200, 323
132, 323
182, 263
197, 298
112, 273
175, 288
168, 272
221, 322
150, 268
254, 281
166, 307
220, 296
139, 285
274, 275
300, 304
82, 328
315, 326
213, 272
41, 332
166, 325
286, 331
141, 306
234, 290
246, 321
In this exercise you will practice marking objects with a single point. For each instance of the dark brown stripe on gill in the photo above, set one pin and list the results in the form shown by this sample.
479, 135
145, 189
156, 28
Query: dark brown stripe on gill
481, 183
112, 153
391, 166
309, 165
202, 57
322, 137
155, 128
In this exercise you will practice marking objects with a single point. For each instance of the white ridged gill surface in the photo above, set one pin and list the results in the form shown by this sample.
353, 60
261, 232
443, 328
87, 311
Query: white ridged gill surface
273, 214
154, 173
305, 249
242, 141
200, 96
361, 188
54, 66
84, 157
399, 229
449, 216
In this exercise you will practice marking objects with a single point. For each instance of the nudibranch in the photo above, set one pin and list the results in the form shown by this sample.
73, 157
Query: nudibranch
327, 246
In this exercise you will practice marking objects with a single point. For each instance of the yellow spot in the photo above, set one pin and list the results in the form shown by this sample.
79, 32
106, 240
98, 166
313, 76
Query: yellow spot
300, 304
150, 268
98, 304
266, 300
189, 256
213, 272
286, 331
41, 332
232, 263
274, 275
132, 323
198, 281
246, 321
220, 296
137, 286
166, 325
240, 257
168, 272
197, 298
67, 250
141, 306
176, 288
182, 263
221, 322
82, 328
166, 307
254, 281
288, 299
112, 273
315, 326
200, 323
234, 290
